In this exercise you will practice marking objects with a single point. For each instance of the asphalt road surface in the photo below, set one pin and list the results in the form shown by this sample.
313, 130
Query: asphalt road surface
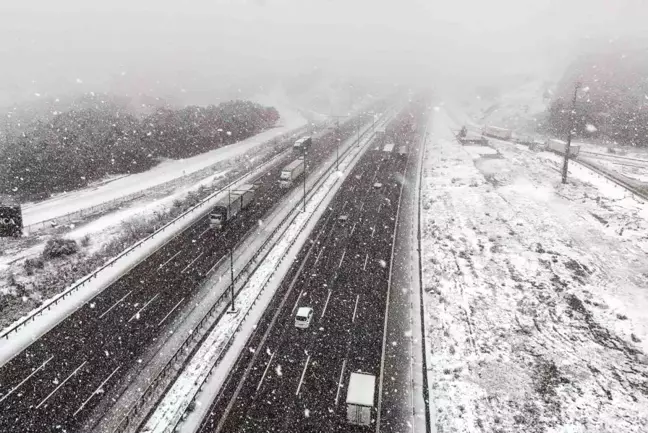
55, 383
295, 380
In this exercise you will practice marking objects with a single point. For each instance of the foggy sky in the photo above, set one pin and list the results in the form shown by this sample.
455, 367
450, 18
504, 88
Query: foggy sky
166, 46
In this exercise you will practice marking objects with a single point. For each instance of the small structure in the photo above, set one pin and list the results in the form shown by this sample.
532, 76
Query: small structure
11, 223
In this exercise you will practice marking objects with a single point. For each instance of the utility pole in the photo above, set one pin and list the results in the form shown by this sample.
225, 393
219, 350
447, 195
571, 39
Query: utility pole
337, 138
358, 129
569, 134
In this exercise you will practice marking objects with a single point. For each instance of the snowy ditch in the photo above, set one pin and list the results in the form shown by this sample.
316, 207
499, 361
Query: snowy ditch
535, 294
218, 352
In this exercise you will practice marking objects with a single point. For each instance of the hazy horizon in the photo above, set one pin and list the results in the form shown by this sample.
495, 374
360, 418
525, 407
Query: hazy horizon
216, 47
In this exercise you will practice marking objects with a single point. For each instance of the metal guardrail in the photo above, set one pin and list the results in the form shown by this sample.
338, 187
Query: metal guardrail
609, 176
246, 270
78, 285
92, 210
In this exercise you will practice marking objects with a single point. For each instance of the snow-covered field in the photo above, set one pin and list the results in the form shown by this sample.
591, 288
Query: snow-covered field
535, 293
163, 172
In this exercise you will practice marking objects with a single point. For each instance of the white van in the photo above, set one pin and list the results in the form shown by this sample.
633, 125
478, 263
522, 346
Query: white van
303, 317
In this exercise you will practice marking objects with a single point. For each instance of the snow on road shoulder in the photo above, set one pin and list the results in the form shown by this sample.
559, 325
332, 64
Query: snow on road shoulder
172, 407
535, 306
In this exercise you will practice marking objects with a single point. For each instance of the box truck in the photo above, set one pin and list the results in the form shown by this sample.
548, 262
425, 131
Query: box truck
360, 398
291, 172
229, 206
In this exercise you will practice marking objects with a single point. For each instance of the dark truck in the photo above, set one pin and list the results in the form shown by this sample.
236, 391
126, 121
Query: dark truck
303, 144
229, 206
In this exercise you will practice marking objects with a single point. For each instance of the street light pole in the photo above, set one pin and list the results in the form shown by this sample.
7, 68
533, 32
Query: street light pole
337, 138
304, 180
231, 254
565, 168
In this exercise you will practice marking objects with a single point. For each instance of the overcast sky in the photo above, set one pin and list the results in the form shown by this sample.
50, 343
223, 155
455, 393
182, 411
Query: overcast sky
50, 46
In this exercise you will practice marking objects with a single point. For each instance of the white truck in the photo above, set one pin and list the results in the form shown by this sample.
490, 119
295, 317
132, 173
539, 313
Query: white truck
360, 398
303, 143
229, 206
389, 147
291, 172
497, 132
559, 146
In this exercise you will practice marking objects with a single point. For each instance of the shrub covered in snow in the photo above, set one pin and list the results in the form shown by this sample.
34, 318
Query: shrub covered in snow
57, 247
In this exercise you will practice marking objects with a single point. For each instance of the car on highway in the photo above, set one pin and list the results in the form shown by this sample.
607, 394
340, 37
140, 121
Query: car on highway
303, 317
377, 185
343, 218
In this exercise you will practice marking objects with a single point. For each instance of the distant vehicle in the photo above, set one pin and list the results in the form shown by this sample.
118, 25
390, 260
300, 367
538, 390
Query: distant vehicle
303, 143
465, 136
229, 206
377, 185
402, 151
496, 132
559, 146
291, 172
303, 317
389, 147
524, 139
11, 223
343, 218
360, 398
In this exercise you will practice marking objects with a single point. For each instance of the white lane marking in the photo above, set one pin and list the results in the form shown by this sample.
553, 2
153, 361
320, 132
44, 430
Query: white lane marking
96, 391
145, 305
318, 256
344, 205
373, 231
364, 268
115, 304
355, 309
26, 379
298, 299
169, 313
172, 257
353, 228
361, 205
192, 262
266, 370
379, 208
337, 396
326, 304
302, 376
342, 259
217, 263
61, 384
206, 230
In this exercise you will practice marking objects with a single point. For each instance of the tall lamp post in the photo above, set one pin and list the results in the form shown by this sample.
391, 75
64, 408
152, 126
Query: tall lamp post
304, 180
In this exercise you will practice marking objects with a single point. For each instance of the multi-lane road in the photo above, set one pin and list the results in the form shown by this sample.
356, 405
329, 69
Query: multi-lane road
55, 383
296, 380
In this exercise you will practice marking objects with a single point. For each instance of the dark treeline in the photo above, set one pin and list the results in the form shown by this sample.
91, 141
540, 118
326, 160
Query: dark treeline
79, 146
612, 103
